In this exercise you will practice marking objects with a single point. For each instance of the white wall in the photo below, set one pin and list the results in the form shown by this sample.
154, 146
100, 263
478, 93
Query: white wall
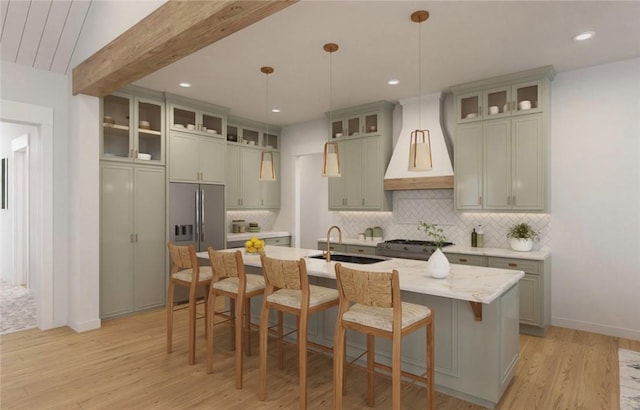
595, 180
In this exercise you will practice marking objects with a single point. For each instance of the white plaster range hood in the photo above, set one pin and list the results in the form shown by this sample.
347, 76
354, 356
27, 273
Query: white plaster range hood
398, 177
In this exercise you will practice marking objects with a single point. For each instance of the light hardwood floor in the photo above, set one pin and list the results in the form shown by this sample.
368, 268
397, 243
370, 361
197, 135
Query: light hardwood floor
124, 365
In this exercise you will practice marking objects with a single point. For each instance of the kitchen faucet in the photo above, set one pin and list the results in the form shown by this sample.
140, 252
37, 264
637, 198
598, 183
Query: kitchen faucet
328, 253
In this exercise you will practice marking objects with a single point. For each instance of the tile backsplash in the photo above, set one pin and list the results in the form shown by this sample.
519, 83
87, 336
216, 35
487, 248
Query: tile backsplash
437, 206
265, 219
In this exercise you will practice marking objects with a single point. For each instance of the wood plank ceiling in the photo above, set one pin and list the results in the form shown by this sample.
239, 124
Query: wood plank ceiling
41, 33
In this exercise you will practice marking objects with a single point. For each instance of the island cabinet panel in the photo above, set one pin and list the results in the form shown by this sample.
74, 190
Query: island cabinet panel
464, 259
132, 238
333, 247
502, 142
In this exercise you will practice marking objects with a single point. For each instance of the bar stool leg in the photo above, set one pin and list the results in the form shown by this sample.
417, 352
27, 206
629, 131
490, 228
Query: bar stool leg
396, 370
210, 318
338, 365
232, 322
280, 341
302, 358
170, 303
238, 342
262, 378
431, 365
192, 328
247, 313
371, 356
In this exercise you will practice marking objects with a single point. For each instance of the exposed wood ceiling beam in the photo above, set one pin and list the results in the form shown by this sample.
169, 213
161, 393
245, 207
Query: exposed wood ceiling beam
173, 31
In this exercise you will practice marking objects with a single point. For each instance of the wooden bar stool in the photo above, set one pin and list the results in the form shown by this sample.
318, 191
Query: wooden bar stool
230, 280
185, 271
287, 290
378, 311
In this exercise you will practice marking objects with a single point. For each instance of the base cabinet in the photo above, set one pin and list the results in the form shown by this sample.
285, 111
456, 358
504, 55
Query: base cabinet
535, 295
132, 238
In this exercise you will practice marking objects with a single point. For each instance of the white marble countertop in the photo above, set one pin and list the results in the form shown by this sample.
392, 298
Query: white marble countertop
540, 254
248, 235
351, 241
472, 283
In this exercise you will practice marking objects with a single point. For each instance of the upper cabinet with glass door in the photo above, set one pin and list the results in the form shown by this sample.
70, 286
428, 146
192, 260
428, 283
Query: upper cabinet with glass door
253, 133
508, 97
196, 117
133, 123
365, 120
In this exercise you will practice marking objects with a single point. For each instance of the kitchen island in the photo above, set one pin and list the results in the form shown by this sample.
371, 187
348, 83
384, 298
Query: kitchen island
476, 321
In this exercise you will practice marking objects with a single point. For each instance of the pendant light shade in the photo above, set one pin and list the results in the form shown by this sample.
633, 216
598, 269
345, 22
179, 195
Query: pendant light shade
420, 152
331, 162
331, 157
420, 149
267, 169
267, 166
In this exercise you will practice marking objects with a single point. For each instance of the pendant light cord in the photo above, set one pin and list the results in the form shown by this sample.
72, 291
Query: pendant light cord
420, 75
267, 106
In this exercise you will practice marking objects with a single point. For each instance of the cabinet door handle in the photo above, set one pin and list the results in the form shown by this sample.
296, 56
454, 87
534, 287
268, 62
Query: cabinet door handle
463, 260
480, 200
135, 154
360, 250
513, 265
362, 201
513, 200
130, 153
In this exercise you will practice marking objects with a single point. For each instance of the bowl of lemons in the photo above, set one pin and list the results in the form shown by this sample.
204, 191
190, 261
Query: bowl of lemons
254, 246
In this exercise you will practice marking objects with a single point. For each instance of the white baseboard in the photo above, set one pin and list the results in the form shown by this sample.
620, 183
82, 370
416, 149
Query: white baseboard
632, 334
85, 326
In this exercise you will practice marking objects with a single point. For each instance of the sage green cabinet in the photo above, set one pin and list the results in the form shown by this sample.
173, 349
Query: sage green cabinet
196, 120
132, 238
333, 247
133, 127
244, 189
535, 294
197, 159
364, 150
502, 142
253, 133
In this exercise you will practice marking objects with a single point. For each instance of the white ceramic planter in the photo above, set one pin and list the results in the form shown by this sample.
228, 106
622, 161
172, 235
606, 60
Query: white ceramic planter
521, 245
438, 265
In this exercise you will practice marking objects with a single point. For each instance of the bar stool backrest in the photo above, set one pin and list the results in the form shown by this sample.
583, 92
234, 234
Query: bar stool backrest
226, 264
184, 257
377, 289
284, 274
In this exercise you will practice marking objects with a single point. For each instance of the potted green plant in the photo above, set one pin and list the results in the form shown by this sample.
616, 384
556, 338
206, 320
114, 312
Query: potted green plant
521, 237
438, 265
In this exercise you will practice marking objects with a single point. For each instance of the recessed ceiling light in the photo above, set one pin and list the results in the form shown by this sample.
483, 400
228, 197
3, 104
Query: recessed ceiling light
275, 110
393, 82
185, 85
586, 35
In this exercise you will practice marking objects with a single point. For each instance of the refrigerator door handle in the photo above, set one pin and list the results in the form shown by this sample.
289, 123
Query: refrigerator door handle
197, 224
202, 215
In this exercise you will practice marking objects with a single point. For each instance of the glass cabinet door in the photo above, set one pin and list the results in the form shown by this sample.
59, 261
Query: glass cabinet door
526, 97
497, 103
353, 126
116, 135
211, 124
251, 137
183, 118
370, 123
149, 130
232, 133
469, 107
337, 128
270, 141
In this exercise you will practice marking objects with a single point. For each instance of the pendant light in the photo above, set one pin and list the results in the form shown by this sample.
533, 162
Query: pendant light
331, 156
420, 149
267, 169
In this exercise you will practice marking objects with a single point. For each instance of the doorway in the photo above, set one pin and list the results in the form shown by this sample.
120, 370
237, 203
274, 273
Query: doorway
18, 304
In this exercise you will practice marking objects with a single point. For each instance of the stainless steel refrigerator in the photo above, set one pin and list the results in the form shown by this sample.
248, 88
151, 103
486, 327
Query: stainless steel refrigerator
196, 216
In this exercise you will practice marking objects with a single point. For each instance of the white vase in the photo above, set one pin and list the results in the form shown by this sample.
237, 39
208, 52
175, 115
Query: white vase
521, 245
438, 265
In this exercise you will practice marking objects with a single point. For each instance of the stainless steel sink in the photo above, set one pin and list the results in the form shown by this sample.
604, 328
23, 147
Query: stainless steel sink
347, 258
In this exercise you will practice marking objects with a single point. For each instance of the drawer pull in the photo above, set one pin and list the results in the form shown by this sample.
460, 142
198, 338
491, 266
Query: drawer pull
513, 265
463, 260
360, 250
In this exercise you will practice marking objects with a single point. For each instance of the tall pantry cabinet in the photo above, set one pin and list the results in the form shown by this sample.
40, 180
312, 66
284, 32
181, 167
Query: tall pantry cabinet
132, 203
502, 142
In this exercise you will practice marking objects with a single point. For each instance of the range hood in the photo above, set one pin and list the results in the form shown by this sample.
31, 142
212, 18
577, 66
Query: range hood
398, 177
